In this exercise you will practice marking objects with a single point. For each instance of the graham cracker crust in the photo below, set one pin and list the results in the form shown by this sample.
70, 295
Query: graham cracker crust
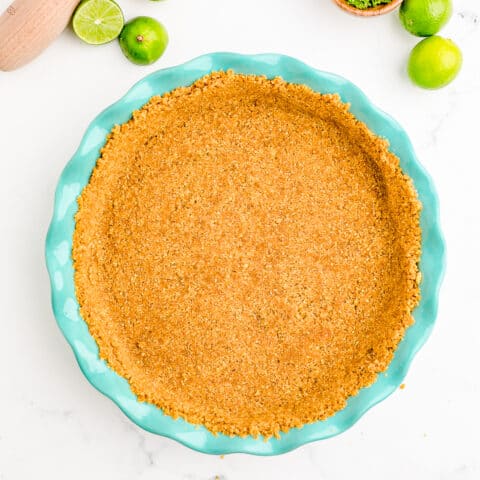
246, 254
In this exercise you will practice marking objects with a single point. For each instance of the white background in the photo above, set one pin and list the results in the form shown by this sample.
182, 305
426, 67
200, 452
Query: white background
54, 425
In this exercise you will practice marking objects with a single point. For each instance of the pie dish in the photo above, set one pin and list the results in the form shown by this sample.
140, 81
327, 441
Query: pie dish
59, 244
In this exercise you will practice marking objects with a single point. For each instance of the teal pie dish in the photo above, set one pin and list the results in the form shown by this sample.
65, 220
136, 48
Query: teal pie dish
60, 267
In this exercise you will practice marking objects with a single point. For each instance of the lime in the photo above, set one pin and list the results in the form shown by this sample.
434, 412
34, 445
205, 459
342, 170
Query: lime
97, 21
434, 62
143, 40
425, 17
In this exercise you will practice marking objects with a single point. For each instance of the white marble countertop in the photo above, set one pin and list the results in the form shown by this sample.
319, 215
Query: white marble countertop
53, 424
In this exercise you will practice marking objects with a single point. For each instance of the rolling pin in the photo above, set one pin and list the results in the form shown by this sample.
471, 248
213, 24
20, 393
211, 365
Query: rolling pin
27, 27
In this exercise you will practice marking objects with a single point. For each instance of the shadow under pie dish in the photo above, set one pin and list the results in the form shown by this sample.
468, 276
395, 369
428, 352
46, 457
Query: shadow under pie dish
245, 254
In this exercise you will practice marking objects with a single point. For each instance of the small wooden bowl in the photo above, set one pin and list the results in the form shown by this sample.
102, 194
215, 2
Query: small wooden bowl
368, 12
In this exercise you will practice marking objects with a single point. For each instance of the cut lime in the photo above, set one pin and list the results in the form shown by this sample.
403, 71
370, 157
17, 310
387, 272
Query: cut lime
97, 21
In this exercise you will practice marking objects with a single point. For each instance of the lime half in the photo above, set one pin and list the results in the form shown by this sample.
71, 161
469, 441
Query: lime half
97, 21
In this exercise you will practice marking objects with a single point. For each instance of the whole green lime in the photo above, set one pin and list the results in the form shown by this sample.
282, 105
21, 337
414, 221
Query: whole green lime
143, 40
425, 17
434, 62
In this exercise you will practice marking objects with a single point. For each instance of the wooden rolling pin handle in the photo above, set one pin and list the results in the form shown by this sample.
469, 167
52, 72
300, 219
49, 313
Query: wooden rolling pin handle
27, 27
